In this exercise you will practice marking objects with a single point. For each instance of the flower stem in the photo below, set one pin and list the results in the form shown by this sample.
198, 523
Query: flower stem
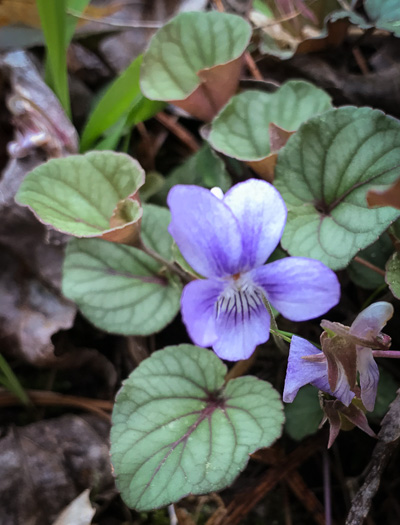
393, 354
286, 336
174, 268
274, 330
369, 265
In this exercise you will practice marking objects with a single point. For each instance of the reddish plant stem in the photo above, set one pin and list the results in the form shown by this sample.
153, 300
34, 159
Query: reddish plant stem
252, 67
327, 487
391, 354
369, 265
179, 131
44, 398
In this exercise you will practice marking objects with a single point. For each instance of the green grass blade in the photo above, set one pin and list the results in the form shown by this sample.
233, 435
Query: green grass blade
117, 100
76, 7
53, 18
10, 381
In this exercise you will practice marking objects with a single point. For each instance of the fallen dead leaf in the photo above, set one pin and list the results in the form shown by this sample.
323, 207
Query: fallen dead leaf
78, 512
37, 116
45, 465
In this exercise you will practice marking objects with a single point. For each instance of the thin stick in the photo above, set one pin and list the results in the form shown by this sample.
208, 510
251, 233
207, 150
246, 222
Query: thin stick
219, 5
252, 67
361, 62
44, 398
369, 265
243, 502
179, 131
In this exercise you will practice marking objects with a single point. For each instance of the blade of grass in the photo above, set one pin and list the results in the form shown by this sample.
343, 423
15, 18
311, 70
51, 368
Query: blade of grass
112, 137
77, 6
116, 101
122, 97
53, 18
10, 381
142, 109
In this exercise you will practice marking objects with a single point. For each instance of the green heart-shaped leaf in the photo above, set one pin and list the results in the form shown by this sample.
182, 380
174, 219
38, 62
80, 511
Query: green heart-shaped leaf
79, 194
393, 274
324, 173
241, 130
178, 430
186, 45
183, 57
119, 288
383, 14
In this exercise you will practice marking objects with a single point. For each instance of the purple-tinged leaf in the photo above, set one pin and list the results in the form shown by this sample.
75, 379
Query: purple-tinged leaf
178, 430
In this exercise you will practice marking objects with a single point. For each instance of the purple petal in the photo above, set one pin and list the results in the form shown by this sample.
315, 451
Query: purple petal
299, 288
261, 213
242, 323
342, 390
198, 304
300, 372
205, 231
369, 376
370, 321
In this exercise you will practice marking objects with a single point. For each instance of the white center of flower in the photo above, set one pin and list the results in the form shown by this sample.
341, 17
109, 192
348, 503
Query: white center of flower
240, 298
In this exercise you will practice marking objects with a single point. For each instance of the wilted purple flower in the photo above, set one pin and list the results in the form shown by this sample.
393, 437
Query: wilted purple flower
334, 370
228, 240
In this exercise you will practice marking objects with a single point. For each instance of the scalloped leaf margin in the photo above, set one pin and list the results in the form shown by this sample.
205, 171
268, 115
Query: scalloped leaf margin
89, 195
121, 289
178, 430
324, 173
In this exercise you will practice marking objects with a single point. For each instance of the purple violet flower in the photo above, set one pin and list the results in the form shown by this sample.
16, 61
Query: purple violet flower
334, 370
228, 240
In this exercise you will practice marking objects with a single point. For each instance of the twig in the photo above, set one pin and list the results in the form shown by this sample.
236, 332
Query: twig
306, 497
252, 67
219, 5
45, 398
361, 62
242, 504
179, 131
270, 456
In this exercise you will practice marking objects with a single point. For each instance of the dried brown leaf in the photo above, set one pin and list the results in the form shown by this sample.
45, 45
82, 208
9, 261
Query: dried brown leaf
37, 115
45, 465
